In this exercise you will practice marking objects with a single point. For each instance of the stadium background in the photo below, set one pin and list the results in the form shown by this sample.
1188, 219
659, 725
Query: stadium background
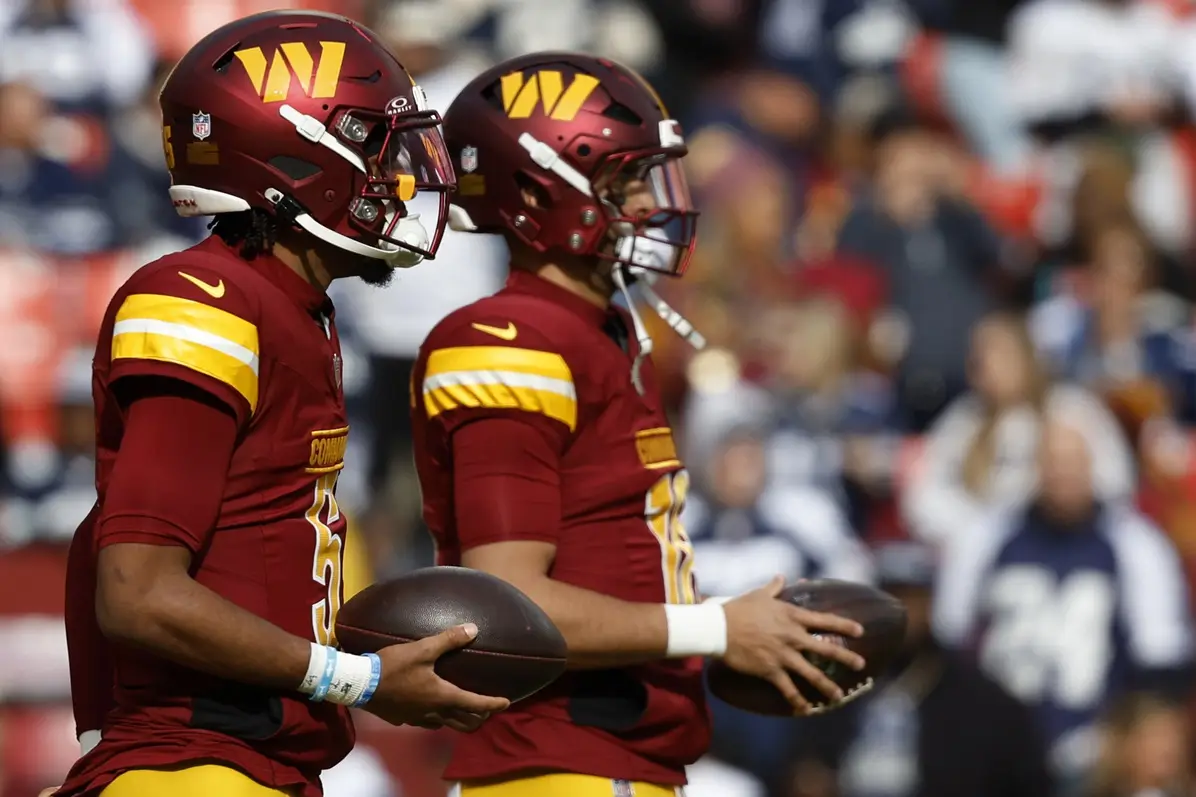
875, 177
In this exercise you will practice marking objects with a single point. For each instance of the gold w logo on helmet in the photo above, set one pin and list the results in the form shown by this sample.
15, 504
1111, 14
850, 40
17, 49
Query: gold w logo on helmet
293, 58
545, 88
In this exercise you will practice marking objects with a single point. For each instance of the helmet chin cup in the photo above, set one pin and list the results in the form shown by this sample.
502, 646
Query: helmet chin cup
411, 231
647, 251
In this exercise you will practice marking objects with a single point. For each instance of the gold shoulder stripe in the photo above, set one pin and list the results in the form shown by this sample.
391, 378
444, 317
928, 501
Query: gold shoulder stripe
500, 377
194, 335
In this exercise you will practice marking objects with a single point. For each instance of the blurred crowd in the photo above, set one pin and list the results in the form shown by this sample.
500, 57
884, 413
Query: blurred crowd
946, 269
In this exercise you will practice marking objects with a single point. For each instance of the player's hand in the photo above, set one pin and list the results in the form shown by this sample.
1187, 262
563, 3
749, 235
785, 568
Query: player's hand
48, 792
411, 693
766, 638
457, 720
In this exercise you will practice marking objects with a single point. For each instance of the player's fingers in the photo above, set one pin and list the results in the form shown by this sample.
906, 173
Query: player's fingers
827, 623
456, 699
450, 639
784, 684
797, 663
774, 587
831, 649
464, 721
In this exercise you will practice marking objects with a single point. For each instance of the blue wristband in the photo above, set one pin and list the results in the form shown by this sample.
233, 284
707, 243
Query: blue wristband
325, 682
375, 677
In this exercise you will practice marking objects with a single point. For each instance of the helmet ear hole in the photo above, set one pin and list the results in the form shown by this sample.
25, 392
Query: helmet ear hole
534, 194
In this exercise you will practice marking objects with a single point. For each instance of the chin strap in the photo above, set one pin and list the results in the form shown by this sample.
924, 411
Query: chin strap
670, 316
675, 320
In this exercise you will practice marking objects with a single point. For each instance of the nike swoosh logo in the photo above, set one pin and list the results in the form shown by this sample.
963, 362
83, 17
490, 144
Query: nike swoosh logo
215, 291
508, 333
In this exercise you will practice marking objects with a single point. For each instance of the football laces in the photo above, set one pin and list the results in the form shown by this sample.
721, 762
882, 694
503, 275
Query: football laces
852, 694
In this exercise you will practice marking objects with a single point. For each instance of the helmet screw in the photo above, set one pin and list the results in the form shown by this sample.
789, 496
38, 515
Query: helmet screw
588, 217
329, 196
575, 241
366, 211
520, 220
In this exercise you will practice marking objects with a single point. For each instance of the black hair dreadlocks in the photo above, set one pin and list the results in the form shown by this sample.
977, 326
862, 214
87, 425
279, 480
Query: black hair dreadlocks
254, 230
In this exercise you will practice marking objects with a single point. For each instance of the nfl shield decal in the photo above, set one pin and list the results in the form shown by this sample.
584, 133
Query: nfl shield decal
338, 371
469, 159
201, 125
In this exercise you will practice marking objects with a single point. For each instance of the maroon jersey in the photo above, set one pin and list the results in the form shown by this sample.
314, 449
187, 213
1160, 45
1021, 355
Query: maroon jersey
262, 340
540, 355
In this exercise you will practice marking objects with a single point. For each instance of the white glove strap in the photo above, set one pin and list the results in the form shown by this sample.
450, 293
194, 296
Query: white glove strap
696, 630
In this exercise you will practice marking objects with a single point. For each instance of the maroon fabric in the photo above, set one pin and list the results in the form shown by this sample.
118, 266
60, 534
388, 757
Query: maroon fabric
245, 477
506, 483
607, 491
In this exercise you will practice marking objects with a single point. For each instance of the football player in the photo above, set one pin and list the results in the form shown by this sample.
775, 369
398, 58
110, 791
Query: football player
544, 453
213, 558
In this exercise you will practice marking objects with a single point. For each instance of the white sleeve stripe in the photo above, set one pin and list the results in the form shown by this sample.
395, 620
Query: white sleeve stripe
516, 379
1154, 596
966, 560
151, 326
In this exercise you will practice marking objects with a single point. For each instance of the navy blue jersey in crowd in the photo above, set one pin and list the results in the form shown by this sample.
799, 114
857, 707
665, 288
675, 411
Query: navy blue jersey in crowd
1068, 617
799, 533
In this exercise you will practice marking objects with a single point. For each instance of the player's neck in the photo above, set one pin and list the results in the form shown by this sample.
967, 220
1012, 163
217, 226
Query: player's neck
592, 293
304, 262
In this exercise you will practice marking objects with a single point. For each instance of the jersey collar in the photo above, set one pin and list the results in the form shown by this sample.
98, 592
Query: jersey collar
525, 282
299, 290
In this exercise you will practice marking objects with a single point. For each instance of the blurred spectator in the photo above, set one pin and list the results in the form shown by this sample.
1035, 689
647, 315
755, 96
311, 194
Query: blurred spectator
53, 491
1145, 751
1109, 69
981, 454
64, 187
971, 64
390, 323
826, 419
91, 56
939, 259
744, 532
934, 727
1069, 602
1115, 334
138, 136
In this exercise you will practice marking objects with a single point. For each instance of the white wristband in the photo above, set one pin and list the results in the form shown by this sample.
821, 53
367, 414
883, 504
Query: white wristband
348, 681
696, 630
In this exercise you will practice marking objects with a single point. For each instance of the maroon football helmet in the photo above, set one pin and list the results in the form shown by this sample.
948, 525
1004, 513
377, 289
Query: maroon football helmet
307, 116
583, 134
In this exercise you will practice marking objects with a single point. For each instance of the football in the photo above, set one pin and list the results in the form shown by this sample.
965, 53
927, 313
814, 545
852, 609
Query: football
883, 619
518, 650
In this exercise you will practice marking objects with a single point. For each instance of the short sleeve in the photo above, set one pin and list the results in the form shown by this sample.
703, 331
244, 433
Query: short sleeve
495, 368
191, 324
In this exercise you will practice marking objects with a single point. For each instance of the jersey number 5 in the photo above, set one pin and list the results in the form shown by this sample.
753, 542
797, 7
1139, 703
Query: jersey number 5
328, 563
662, 510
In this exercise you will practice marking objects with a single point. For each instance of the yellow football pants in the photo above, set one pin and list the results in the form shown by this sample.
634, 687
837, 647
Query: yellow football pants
561, 784
202, 781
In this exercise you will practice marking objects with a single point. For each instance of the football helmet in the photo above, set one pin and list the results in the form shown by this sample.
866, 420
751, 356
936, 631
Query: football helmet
581, 133
309, 117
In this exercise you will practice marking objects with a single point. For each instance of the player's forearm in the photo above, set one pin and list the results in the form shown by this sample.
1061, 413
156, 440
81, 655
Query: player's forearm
183, 621
601, 631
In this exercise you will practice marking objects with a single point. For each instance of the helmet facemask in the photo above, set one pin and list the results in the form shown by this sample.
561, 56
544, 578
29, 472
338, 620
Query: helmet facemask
404, 155
649, 214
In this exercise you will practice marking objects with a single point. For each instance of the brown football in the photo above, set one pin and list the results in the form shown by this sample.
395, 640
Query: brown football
518, 649
881, 615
